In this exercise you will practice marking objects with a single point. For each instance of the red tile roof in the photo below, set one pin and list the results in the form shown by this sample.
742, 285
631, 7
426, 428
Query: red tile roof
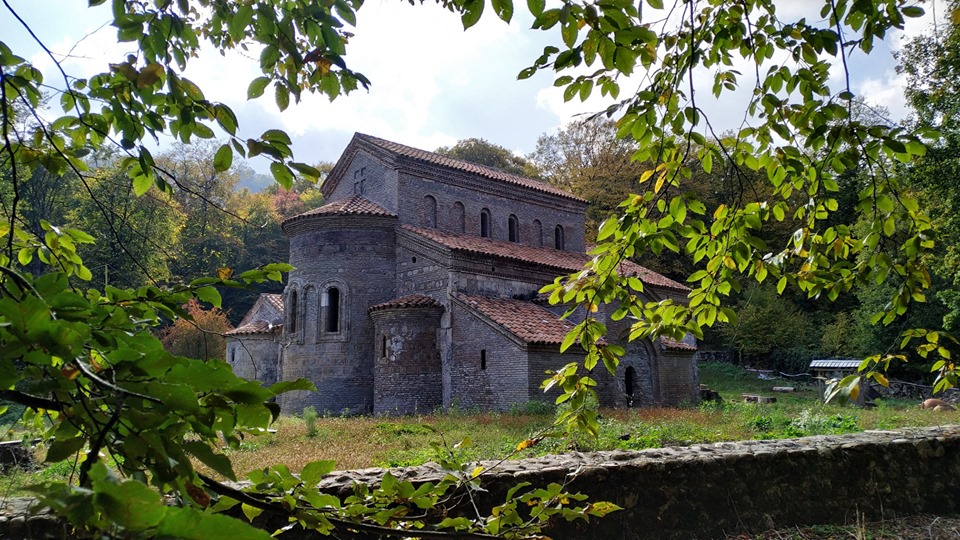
564, 260
275, 300
446, 161
668, 343
256, 327
353, 206
409, 301
527, 321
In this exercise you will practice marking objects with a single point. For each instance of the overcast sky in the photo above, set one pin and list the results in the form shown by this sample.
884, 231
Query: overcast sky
433, 83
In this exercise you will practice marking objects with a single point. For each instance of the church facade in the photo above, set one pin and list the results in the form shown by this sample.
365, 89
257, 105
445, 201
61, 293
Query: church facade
416, 287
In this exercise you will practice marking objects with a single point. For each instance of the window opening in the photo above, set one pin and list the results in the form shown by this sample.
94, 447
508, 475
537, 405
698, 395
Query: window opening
293, 312
330, 305
383, 345
485, 224
483, 359
513, 226
558, 237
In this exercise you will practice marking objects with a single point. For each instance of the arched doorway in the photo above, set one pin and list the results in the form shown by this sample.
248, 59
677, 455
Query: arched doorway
629, 384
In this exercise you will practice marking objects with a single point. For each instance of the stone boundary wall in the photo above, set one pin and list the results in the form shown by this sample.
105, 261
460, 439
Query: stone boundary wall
710, 490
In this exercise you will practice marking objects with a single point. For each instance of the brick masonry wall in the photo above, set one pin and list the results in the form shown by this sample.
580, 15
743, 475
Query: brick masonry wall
368, 177
254, 357
679, 379
357, 256
407, 371
413, 210
503, 382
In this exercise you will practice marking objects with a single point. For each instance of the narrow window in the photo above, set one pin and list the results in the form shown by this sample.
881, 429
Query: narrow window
383, 347
293, 312
330, 306
558, 237
483, 359
429, 211
537, 233
485, 223
456, 215
513, 226
233, 356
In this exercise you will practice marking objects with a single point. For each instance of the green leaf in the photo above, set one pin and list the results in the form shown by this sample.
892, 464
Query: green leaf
314, 471
287, 386
257, 87
536, 7
141, 184
223, 159
218, 462
191, 524
282, 94
503, 9
64, 449
210, 295
282, 174
472, 10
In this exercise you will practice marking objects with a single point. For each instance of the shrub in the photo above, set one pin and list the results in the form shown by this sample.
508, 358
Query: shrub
310, 419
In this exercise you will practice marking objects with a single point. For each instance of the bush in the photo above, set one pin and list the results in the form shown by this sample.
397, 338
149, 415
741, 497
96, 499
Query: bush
310, 419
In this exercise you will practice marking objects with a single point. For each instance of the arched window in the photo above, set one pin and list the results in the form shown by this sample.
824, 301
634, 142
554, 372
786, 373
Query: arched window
513, 229
429, 216
456, 215
558, 237
330, 307
485, 223
294, 312
537, 233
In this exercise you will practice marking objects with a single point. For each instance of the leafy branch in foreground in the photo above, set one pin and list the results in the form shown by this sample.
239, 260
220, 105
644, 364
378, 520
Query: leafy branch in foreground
797, 133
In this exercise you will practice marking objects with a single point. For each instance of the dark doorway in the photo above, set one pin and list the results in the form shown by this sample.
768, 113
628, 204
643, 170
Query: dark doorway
629, 384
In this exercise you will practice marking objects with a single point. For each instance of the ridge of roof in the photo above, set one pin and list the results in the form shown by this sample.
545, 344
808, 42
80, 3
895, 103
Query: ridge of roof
466, 166
355, 205
569, 261
525, 320
256, 327
408, 301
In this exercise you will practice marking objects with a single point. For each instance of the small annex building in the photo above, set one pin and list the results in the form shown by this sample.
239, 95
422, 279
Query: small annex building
416, 287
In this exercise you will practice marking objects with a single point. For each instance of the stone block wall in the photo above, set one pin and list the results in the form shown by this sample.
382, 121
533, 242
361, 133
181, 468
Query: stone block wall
477, 194
699, 492
368, 177
715, 490
357, 256
487, 369
679, 379
254, 357
407, 371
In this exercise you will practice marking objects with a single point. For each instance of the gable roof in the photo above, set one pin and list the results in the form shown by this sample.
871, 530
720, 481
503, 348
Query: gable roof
260, 319
525, 320
256, 327
567, 261
401, 150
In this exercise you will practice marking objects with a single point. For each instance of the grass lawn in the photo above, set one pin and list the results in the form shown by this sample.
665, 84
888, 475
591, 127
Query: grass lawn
368, 442
358, 442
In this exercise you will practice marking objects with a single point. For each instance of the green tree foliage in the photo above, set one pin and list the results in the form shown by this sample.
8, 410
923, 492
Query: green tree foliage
89, 366
483, 152
589, 160
137, 238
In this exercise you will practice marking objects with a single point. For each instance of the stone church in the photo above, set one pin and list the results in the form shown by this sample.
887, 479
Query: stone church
416, 287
